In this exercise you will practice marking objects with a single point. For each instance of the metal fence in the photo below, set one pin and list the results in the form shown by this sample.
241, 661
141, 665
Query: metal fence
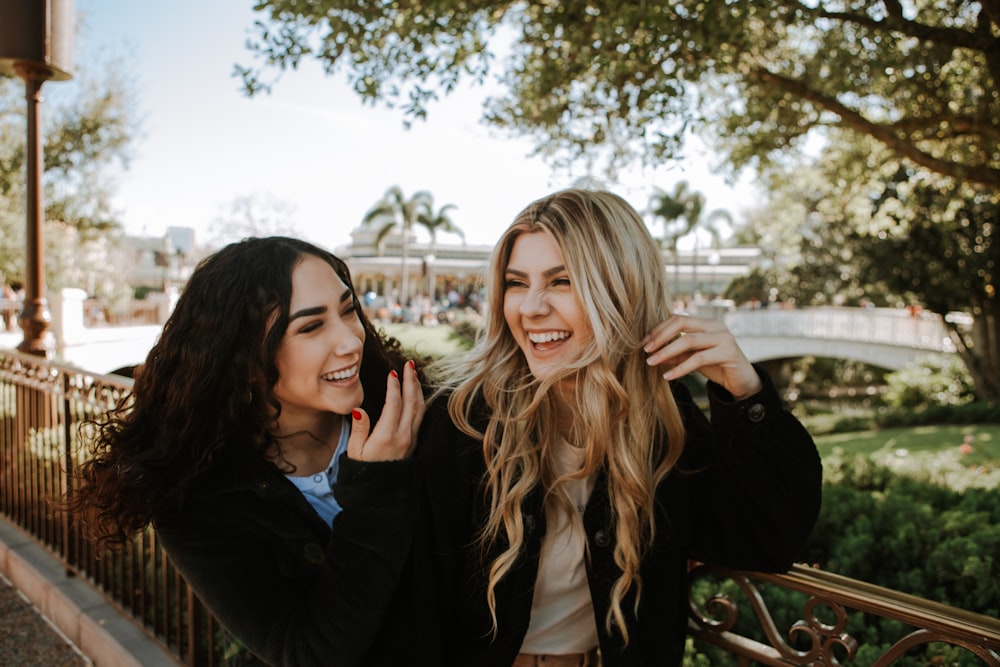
42, 406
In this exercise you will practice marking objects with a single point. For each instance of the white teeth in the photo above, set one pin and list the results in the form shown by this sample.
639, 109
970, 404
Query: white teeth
342, 375
548, 336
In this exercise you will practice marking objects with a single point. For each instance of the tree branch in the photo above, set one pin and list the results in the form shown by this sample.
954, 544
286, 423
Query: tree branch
959, 125
895, 21
886, 134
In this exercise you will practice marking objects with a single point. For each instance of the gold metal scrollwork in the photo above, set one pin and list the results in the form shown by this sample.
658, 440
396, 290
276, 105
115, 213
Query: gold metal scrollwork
824, 640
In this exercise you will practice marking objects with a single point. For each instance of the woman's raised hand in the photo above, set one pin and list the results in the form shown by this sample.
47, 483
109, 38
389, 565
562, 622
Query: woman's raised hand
395, 433
685, 344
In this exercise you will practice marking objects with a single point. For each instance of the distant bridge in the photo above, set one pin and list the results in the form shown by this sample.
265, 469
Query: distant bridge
884, 337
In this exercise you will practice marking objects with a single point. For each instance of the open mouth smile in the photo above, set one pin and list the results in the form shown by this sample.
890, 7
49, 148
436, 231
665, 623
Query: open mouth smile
341, 375
543, 339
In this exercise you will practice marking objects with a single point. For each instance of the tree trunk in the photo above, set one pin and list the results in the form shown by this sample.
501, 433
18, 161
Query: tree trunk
979, 347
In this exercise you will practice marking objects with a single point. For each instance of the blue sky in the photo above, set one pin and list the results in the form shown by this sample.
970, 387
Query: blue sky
310, 143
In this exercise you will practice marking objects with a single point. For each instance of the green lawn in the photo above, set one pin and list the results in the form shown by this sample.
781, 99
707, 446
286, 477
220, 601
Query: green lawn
429, 341
932, 452
985, 440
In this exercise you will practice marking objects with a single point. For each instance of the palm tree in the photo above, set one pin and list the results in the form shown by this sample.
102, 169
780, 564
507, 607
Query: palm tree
435, 222
673, 210
681, 213
394, 210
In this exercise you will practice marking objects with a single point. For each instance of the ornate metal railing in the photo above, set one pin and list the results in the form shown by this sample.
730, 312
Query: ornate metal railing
42, 406
831, 605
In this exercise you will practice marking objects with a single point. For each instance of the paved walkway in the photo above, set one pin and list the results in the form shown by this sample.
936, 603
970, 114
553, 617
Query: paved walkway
28, 639
48, 618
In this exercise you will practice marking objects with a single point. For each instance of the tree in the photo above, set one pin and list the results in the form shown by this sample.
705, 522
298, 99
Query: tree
586, 75
395, 212
936, 243
682, 215
435, 222
760, 81
872, 228
89, 129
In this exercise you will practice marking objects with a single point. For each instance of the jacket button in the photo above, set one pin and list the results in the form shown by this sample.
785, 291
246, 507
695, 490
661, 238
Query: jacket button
602, 538
756, 412
314, 554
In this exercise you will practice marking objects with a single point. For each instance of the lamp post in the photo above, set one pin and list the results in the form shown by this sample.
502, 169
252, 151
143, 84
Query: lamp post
36, 42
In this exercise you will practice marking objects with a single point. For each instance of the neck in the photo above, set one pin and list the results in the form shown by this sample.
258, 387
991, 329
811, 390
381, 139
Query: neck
305, 447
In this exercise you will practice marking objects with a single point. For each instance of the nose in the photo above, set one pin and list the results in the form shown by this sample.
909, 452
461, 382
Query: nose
535, 303
345, 341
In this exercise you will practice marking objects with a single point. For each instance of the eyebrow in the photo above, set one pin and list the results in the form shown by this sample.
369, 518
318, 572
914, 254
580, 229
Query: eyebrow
316, 310
548, 273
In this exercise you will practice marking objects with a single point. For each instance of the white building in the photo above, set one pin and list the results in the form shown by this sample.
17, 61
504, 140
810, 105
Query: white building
462, 267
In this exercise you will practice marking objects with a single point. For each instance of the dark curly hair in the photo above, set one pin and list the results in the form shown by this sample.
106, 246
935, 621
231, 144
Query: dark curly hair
203, 392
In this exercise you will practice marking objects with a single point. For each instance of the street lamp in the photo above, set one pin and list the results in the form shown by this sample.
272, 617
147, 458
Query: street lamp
36, 44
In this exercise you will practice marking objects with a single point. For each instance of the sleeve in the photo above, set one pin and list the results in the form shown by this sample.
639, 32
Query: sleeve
755, 480
289, 591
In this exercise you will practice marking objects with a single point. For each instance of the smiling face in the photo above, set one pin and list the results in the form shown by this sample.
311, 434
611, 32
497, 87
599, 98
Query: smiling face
540, 305
319, 357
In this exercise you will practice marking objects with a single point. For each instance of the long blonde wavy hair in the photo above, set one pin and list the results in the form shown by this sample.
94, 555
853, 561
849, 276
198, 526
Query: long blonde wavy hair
624, 414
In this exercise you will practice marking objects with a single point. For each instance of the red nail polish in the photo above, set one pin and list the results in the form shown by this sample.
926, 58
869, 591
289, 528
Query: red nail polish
412, 365
394, 374
356, 414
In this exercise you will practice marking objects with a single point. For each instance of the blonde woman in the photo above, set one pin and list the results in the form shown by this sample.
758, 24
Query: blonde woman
570, 474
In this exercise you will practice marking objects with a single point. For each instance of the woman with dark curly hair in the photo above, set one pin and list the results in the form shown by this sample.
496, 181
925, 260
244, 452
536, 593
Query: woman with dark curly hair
245, 443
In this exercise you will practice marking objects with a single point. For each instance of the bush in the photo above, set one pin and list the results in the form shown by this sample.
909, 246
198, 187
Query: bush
979, 412
934, 380
910, 535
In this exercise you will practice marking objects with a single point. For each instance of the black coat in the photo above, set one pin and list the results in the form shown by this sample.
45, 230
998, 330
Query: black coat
749, 500
289, 589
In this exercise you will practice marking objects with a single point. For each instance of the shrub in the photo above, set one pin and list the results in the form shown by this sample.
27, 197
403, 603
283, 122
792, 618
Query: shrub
911, 535
934, 380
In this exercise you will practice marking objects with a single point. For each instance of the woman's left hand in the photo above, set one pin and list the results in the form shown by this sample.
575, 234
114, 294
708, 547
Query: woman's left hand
685, 344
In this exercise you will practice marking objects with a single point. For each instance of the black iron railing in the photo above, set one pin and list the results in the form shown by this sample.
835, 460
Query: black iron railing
42, 406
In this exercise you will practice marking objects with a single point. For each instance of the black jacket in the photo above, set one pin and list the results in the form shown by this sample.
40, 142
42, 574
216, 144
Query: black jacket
289, 589
746, 494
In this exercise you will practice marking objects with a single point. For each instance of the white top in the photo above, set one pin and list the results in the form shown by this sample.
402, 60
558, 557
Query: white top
562, 613
318, 488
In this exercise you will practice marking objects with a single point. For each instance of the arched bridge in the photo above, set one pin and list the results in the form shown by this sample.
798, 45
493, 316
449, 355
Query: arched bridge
884, 337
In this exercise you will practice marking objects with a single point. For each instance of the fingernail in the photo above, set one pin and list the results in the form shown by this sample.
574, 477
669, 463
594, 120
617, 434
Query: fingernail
356, 414
412, 365
394, 374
